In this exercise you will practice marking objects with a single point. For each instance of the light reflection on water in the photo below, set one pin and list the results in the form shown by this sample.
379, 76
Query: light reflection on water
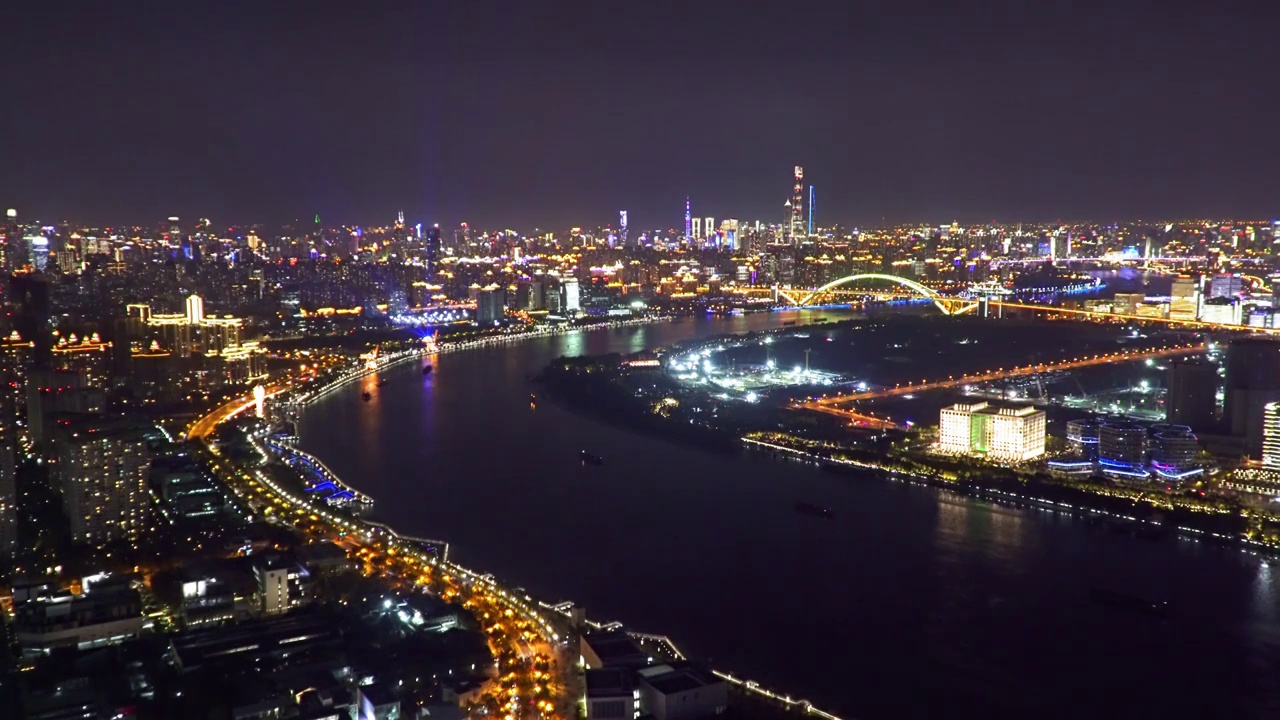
910, 596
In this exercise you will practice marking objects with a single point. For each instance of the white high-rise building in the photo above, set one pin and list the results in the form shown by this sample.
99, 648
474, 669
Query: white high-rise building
709, 228
1271, 435
195, 309
1004, 434
572, 295
697, 228
1184, 299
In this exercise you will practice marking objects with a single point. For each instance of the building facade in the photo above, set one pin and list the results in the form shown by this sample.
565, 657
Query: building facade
101, 471
1002, 434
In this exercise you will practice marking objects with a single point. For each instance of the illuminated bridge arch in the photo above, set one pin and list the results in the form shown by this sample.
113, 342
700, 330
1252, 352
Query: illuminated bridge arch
904, 282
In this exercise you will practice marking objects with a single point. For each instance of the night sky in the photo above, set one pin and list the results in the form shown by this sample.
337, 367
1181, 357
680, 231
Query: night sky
548, 114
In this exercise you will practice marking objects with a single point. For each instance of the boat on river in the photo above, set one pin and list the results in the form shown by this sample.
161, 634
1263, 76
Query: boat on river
1125, 601
426, 370
367, 396
805, 508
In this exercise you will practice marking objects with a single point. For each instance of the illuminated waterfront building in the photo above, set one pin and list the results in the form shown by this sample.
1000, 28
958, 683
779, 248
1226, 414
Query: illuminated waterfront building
1004, 434
1122, 447
1083, 437
1173, 451
1271, 435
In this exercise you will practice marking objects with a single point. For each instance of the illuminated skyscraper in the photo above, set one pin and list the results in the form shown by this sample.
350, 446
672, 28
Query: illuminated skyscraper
810, 209
13, 251
195, 309
432, 250
797, 230
729, 233
1271, 435
697, 229
709, 229
688, 220
622, 227
572, 300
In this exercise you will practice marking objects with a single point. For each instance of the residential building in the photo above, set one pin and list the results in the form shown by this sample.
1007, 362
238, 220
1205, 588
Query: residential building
100, 469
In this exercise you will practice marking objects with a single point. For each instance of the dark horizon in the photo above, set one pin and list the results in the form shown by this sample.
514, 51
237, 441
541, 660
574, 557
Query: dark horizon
524, 116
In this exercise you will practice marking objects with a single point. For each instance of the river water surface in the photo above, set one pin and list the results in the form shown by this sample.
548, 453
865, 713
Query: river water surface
912, 602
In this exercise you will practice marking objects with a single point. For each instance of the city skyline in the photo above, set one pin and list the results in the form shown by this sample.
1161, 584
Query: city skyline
544, 117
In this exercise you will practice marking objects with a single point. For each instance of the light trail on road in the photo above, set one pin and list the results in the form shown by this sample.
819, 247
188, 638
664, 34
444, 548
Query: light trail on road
830, 405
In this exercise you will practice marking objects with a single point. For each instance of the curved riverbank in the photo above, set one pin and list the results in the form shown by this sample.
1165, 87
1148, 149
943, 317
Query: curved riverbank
909, 596
392, 361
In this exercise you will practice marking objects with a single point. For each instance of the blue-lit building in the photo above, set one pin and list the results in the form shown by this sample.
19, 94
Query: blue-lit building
1127, 450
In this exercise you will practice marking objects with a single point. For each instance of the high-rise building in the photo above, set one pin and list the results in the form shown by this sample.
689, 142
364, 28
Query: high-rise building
1252, 381
433, 251
282, 584
101, 471
29, 297
1184, 299
811, 203
709, 229
696, 232
1191, 395
729, 234
13, 248
1271, 435
622, 227
490, 305
688, 220
1226, 286
797, 228
195, 309
8, 492
1005, 434
572, 296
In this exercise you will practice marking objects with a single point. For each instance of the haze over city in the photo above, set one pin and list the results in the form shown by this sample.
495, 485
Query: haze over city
556, 115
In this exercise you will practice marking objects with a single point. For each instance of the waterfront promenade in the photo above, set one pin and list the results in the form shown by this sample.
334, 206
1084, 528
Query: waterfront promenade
420, 562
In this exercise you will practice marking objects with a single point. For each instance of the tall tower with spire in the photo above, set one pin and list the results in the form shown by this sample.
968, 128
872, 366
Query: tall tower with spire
797, 230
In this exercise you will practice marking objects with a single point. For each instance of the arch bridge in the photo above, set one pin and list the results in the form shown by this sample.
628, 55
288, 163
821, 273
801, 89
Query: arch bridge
948, 305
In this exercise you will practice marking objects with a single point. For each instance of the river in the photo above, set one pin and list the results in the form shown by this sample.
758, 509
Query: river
912, 602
